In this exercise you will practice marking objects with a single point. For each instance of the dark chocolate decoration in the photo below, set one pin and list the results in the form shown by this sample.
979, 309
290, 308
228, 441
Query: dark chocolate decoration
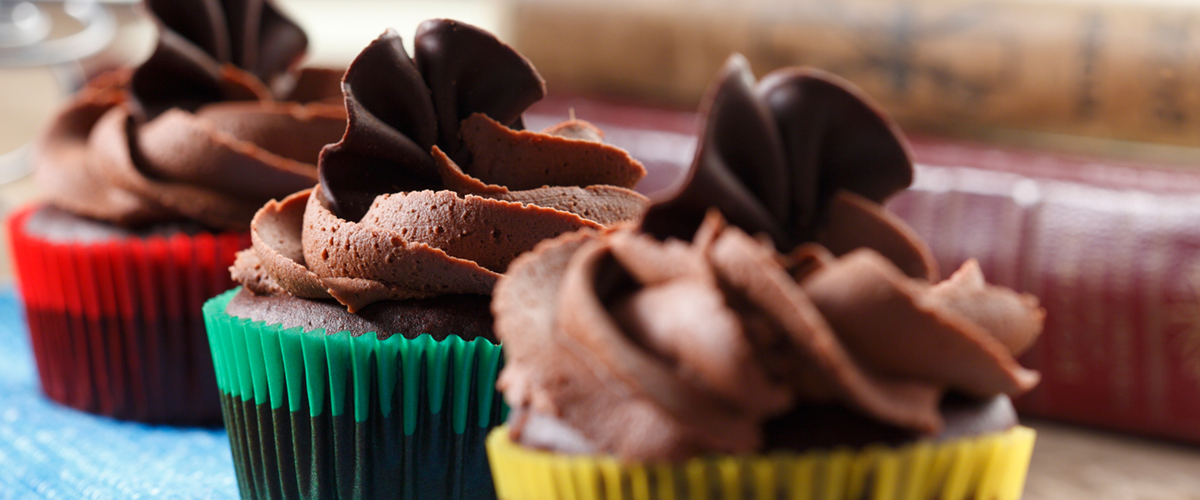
215, 50
391, 126
469, 70
399, 108
835, 136
772, 155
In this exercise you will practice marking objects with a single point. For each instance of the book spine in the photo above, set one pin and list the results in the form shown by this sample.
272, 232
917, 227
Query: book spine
1121, 69
1117, 269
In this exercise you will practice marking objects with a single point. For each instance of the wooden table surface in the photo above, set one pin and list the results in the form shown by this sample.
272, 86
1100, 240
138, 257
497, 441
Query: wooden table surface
1070, 463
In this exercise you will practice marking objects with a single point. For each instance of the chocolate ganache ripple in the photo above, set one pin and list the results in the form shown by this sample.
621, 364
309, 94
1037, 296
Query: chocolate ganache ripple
212, 125
433, 190
811, 318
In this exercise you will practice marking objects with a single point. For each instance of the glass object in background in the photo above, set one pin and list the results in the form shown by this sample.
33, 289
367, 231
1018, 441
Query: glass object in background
47, 49
55, 36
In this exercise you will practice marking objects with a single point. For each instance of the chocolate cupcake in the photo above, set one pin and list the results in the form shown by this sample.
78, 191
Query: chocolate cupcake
819, 358
151, 176
358, 358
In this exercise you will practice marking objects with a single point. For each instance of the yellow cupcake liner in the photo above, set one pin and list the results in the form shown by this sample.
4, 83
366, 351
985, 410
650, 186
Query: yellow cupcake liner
987, 467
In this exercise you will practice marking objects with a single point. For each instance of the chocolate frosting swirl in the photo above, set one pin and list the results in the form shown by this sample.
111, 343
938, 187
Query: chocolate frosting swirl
664, 351
796, 156
193, 133
396, 217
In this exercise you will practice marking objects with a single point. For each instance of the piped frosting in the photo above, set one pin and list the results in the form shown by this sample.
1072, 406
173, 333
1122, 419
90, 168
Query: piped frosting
195, 132
434, 188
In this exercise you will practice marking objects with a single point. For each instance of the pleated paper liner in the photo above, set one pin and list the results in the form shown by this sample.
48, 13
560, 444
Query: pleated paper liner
323, 416
987, 467
115, 325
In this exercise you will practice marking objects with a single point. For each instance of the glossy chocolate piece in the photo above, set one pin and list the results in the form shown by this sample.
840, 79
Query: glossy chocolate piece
774, 155
212, 50
400, 108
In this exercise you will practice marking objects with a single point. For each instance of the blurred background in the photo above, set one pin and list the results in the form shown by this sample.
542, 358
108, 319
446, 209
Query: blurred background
1058, 142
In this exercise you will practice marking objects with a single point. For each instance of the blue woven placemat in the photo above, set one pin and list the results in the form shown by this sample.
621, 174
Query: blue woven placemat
49, 451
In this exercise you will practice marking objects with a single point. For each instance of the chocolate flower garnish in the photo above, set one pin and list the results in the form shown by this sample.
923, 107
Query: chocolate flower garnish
395, 215
412, 123
796, 157
213, 50
616, 343
155, 145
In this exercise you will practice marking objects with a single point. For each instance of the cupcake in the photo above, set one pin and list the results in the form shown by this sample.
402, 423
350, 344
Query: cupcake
769, 331
150, 177
358, 358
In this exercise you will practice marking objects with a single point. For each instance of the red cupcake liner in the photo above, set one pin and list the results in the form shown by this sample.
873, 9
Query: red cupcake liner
116, 326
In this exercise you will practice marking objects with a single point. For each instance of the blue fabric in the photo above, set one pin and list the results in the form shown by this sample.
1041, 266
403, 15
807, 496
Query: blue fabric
50, 451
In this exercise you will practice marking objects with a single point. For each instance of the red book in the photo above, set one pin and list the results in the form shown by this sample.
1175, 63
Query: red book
1112, 249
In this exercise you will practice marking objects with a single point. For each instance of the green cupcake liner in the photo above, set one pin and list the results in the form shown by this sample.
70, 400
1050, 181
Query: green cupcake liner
316, 415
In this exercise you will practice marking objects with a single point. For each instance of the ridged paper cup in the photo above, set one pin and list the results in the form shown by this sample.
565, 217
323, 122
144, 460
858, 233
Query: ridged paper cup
323, 416
115, 325
986, 467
